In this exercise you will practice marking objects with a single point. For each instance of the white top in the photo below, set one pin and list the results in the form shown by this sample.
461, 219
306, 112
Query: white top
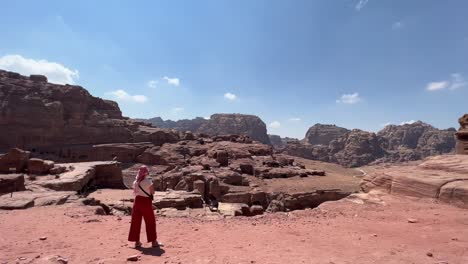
145, 184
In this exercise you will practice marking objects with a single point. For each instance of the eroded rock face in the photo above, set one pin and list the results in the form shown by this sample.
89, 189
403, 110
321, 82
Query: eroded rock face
74, 117
320, 134
356, 148
279, 142
220, 124
415, 141
14, 161
395, 143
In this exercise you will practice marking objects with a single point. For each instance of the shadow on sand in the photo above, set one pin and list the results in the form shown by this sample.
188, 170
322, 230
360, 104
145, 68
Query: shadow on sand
151, 251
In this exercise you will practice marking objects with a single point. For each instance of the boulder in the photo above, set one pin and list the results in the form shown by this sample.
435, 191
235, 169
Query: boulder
222, 158
177, 199
233, 209
11, 183
256, 210
199, 187
14, 161
39, 166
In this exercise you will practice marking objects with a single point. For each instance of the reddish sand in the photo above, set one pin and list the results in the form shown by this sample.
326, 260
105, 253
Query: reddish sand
337, 232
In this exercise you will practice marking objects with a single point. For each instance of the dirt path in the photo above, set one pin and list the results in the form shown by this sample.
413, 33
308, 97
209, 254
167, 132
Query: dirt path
338, 232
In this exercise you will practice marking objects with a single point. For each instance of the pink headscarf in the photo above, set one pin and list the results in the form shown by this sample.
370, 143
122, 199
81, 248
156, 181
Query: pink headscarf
142, 173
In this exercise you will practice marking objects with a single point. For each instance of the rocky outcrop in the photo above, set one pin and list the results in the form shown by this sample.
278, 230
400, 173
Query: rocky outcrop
85, 175
395, 143
415, 141
219, 124
74, 117
462, 135
279, 142
39, 166
443, 178
181, 125
356, 148
320, 134
11, 183
14, 161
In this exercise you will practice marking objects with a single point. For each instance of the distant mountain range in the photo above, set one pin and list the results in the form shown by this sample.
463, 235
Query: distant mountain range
330, 143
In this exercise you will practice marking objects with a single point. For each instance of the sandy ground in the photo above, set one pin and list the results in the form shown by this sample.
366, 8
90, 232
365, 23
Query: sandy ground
336, 232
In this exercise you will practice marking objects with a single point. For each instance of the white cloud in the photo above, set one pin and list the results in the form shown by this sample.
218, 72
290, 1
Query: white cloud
207, 118
397, 25
456, 81
294, 119
434, 86
274, 124
407, 122
360, 5
172, 81
177, 110
55, 72
349, 98
152, 84
122, 95
230, 96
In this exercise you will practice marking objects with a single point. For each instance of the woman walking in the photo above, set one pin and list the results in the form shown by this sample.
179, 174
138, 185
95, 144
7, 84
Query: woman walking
143, 208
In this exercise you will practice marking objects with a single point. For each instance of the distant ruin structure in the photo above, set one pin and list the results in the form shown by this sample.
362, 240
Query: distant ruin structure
462, 135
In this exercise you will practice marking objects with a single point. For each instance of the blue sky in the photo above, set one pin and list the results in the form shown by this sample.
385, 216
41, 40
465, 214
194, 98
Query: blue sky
354, 63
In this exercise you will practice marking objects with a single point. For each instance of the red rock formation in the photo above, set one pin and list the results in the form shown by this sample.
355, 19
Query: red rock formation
39, 115
219, 124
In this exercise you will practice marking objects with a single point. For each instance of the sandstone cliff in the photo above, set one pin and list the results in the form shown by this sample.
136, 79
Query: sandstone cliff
320, 134
37, 114
394, 143
219, 124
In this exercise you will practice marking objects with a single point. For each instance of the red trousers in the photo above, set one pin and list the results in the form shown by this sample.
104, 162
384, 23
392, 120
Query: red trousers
142, 207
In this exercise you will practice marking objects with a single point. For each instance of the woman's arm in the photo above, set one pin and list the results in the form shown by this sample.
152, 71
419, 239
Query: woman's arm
151, 189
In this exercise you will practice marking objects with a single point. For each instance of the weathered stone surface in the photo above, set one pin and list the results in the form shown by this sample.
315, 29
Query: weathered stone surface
26, 199
39, 166
14, 161
440, 177
177, 199
11, 183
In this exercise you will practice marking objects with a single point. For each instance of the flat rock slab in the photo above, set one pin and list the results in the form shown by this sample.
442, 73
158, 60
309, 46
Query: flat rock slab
26, 199
177, 199
81, 174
